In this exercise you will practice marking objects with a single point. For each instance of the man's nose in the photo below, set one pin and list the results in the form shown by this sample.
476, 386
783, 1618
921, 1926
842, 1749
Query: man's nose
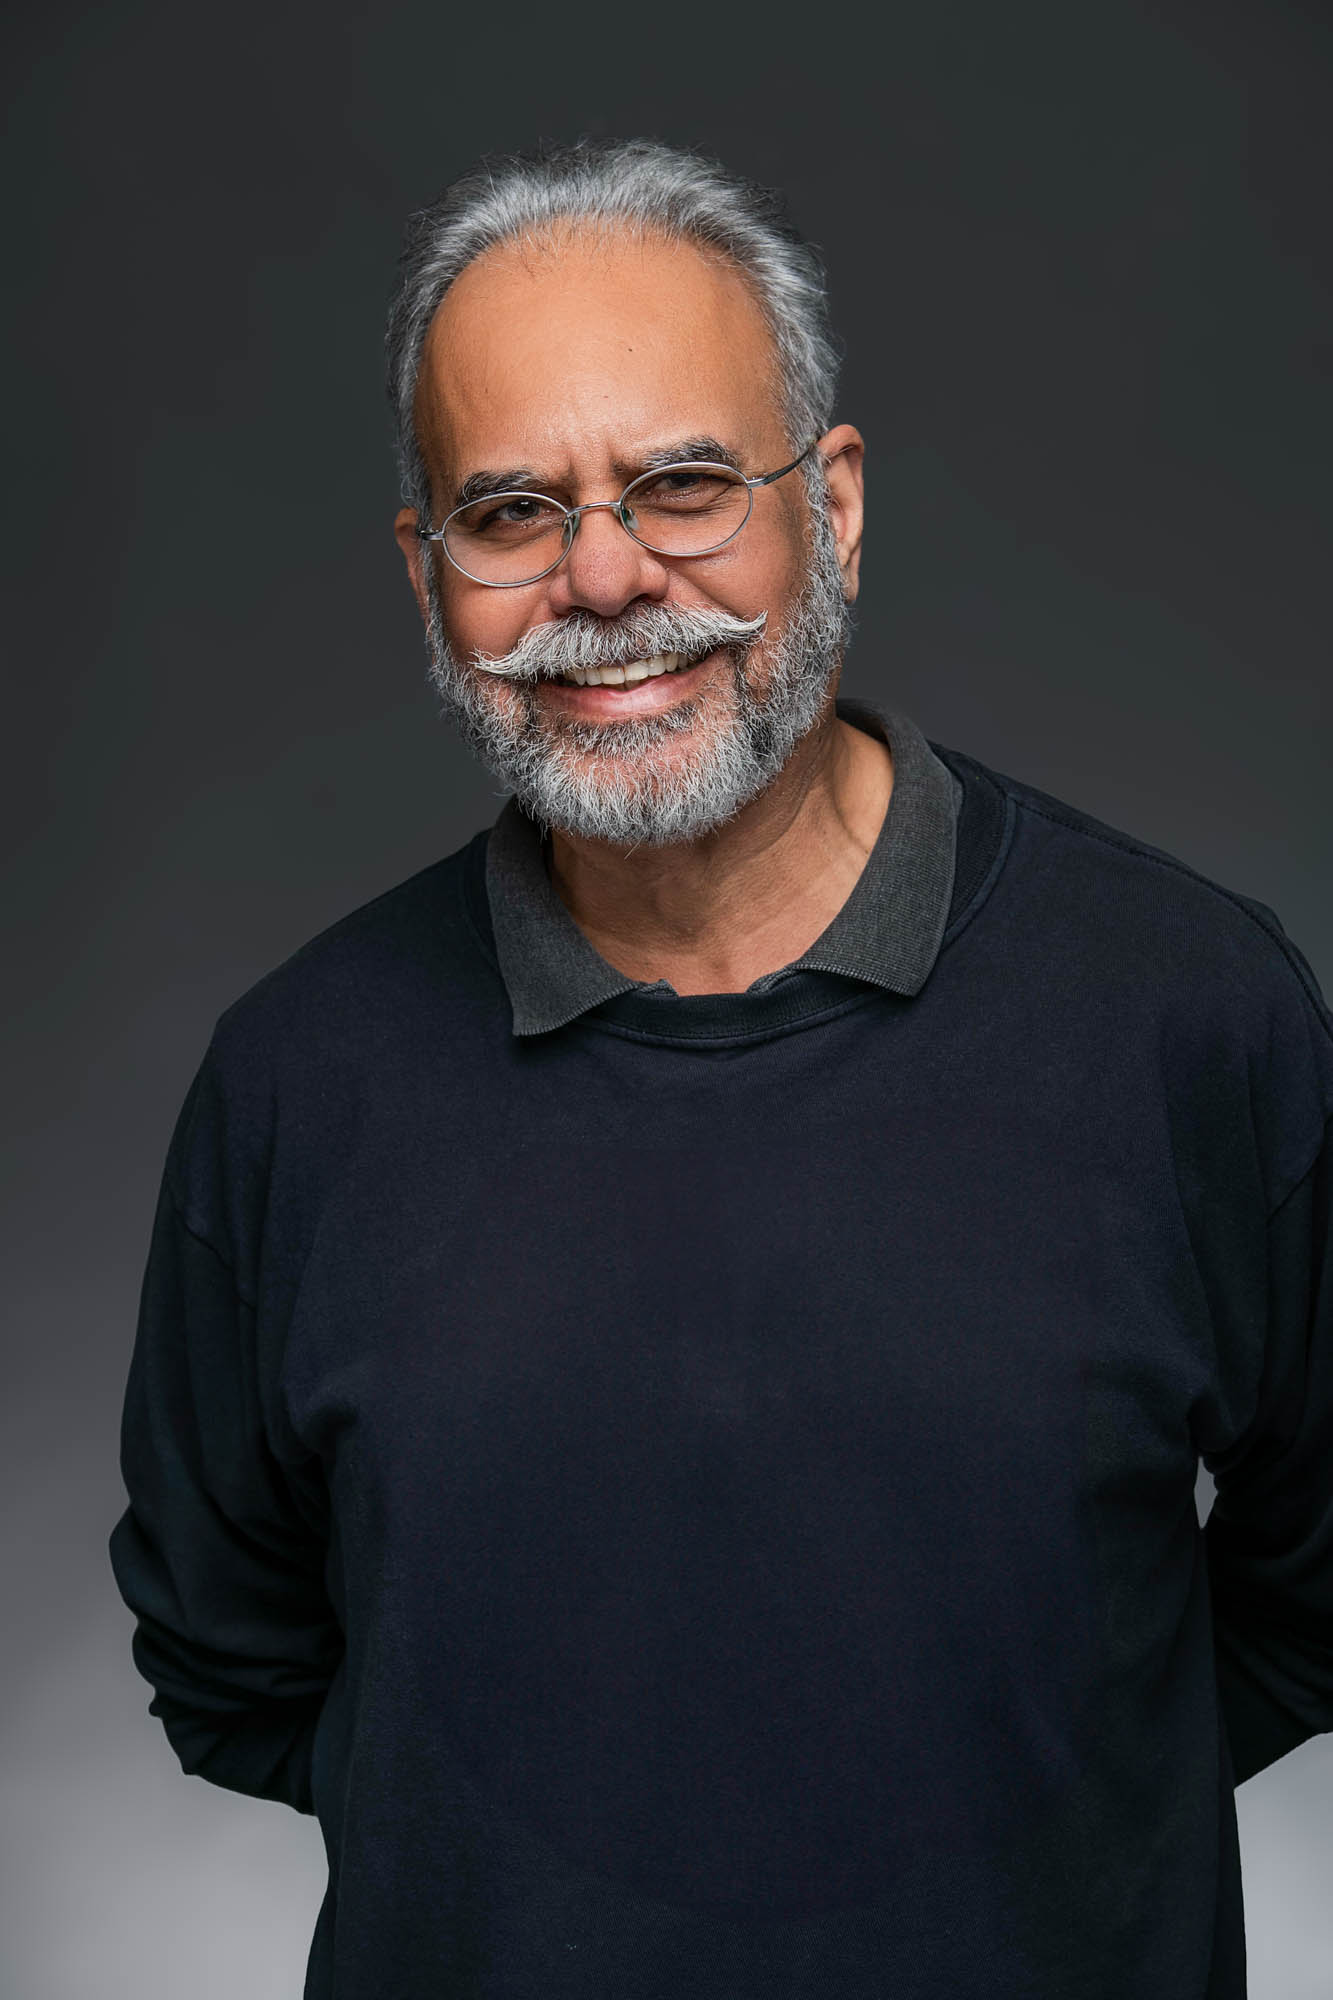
606, 569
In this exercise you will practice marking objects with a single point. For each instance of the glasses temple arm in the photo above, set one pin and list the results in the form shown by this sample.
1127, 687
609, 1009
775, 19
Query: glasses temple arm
781, 473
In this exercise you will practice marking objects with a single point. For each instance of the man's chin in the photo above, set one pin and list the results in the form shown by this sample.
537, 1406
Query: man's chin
654, 801
625, 744
609, 824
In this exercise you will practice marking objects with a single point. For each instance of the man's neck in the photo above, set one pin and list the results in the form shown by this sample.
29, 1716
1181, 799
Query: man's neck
713, 915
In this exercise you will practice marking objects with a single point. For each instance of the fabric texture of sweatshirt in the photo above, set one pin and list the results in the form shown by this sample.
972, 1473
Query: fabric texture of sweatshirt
700, 1500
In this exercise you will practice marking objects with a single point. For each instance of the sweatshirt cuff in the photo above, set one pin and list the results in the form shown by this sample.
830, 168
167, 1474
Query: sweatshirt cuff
1259, 1729
267, 1755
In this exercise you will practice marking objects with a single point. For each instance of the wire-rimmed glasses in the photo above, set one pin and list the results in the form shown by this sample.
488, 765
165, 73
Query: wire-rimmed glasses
692, 508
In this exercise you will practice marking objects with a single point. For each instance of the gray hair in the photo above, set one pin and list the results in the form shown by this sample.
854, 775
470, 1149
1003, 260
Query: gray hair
635, 184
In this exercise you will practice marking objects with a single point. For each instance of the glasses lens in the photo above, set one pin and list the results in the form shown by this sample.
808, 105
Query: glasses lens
506, 539
685, 510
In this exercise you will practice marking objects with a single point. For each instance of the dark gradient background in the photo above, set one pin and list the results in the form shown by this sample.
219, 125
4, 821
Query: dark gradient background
1079, 262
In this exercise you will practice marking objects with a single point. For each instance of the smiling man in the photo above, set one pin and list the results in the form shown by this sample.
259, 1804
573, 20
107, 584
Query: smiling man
639, 617
678, 1342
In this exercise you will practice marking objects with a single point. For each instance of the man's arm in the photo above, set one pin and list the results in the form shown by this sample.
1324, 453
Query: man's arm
219, 1554
1269, 1536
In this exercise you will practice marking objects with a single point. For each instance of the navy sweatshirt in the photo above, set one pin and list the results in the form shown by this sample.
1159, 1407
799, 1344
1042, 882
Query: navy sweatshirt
701, 1503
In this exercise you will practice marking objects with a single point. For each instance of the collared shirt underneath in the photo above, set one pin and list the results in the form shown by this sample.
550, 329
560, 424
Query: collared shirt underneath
888, 931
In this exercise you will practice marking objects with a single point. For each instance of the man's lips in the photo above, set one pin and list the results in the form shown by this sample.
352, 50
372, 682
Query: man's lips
646, 697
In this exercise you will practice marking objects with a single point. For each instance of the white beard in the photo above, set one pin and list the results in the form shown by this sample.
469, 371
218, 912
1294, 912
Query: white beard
605, 780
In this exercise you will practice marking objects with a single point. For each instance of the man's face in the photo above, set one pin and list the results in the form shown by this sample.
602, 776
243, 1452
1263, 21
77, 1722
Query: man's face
577, 363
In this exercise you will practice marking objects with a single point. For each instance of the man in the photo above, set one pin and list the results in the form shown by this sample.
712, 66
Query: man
677, 1343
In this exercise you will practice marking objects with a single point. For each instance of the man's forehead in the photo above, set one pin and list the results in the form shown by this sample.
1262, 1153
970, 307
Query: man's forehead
611, 332
582, 265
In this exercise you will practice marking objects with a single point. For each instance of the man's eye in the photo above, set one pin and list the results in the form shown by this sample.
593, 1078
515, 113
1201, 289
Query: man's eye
687, 487
519, 510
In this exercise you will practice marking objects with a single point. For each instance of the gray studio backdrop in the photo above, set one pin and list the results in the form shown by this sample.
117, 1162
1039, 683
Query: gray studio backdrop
1079, 263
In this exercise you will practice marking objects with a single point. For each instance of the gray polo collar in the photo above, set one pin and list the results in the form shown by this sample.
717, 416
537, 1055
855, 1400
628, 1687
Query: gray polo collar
887, 932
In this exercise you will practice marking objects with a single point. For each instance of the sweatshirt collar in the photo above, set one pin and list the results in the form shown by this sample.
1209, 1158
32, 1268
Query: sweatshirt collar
887, 933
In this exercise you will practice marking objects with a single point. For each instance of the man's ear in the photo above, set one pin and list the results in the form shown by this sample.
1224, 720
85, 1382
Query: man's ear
414, 554
843, 453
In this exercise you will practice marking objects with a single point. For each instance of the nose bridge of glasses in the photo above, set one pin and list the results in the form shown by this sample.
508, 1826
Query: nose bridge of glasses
574, 516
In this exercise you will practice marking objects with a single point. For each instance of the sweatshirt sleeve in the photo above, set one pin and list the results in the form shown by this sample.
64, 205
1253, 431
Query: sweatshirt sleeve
220, 1554
1269, 1535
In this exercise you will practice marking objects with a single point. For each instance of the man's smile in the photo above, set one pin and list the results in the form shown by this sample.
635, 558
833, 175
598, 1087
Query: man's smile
626, 674
643, 687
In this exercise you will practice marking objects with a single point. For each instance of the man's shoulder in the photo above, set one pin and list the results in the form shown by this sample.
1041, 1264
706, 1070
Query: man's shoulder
398, 990
1077, 840
417, 941
1093, 880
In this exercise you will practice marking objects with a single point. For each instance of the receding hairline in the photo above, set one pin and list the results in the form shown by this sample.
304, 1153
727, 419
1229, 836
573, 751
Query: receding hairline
616, 187
559, 235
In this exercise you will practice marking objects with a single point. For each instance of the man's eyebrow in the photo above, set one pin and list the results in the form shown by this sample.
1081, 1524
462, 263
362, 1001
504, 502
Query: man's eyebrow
480, 485
522, 479
689, 451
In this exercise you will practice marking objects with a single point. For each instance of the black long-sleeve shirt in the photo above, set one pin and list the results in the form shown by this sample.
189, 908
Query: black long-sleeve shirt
700, 1500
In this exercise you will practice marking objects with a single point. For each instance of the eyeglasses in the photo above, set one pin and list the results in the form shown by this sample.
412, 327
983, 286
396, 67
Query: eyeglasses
691, 509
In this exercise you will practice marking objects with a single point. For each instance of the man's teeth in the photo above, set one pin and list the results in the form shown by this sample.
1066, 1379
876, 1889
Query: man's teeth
637, 670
